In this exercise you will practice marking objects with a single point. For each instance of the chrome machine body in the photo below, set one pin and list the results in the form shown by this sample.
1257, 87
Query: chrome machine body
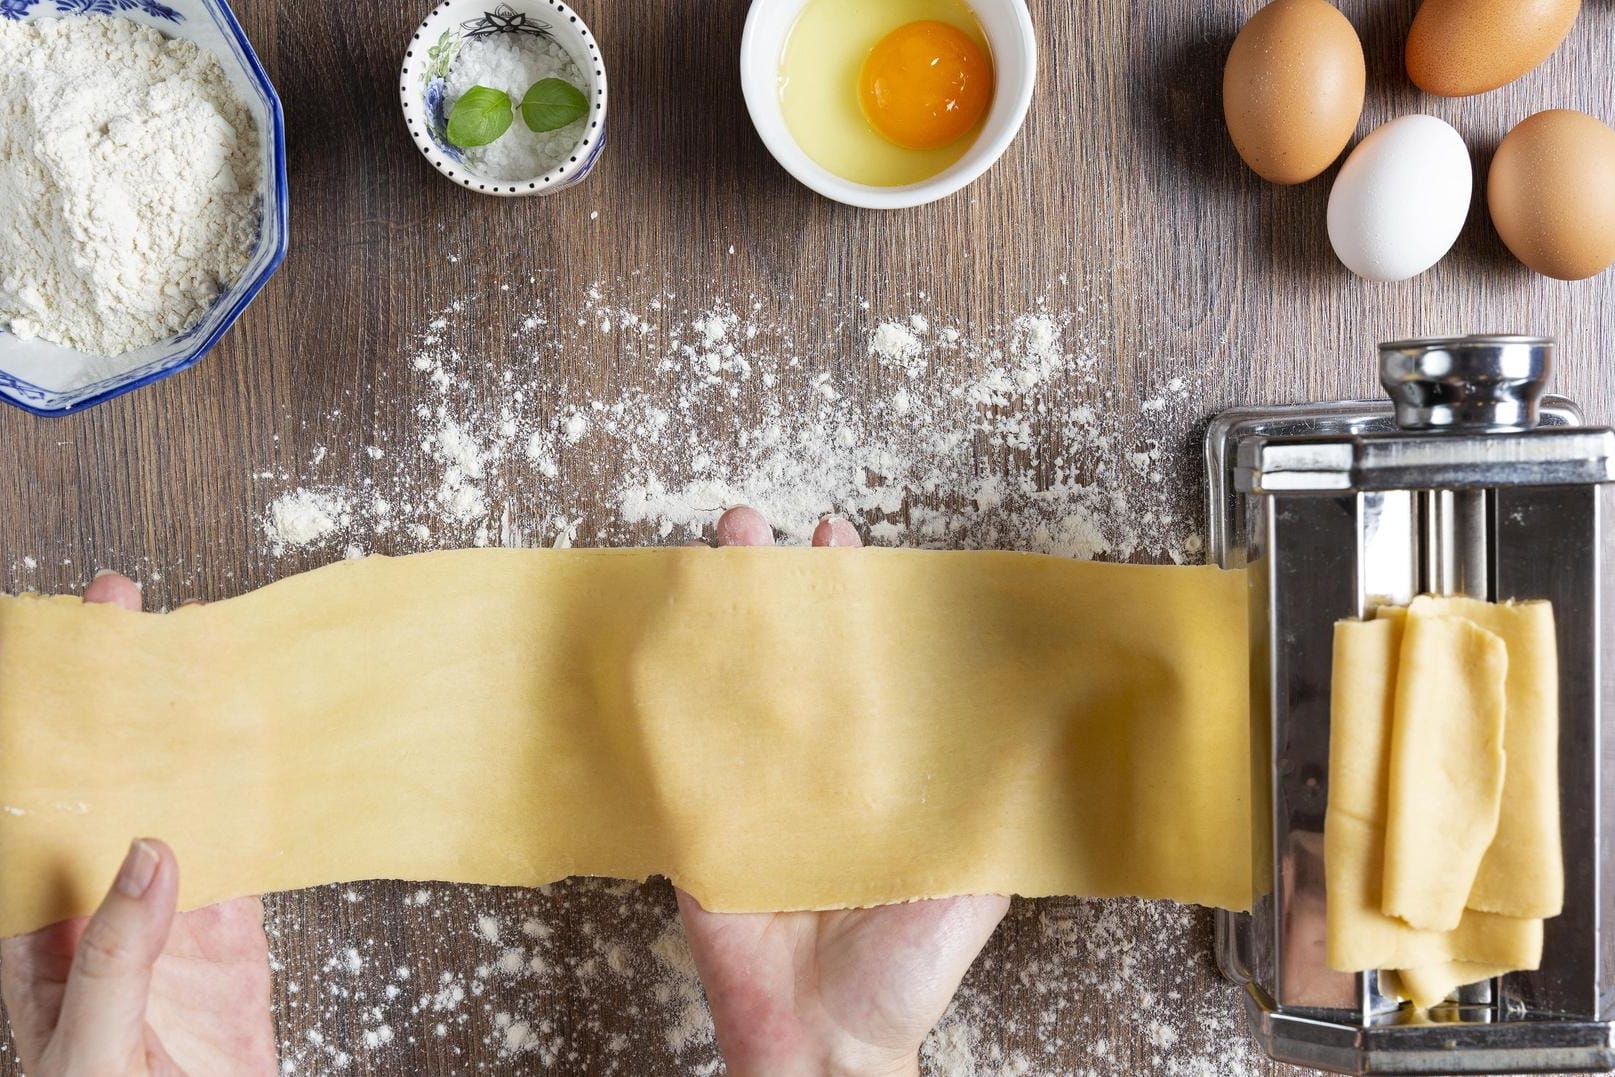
1465, 481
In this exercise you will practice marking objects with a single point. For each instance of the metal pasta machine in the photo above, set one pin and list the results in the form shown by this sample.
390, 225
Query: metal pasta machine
1467, 480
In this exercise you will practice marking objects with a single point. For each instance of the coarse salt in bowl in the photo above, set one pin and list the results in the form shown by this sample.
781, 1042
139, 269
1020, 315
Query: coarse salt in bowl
428, 82
45, 378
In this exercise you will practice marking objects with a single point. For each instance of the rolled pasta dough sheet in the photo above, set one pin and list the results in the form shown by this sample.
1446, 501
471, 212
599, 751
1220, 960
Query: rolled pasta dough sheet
1359, 934
773, 729
1522, 873
1431, 984
1445, 784
1369, 694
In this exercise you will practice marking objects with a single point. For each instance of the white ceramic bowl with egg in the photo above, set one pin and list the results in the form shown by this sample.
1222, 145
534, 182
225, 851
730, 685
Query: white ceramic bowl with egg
1007, 26
424, 77
49, 379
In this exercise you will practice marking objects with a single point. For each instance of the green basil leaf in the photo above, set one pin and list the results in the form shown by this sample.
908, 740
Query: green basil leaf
551, 104
479, 116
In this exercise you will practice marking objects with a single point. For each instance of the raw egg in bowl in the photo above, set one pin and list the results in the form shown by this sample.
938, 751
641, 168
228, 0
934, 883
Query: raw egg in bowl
887, 103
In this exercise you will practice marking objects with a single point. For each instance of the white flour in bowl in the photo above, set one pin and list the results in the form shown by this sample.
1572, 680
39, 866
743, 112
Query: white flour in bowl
128, 182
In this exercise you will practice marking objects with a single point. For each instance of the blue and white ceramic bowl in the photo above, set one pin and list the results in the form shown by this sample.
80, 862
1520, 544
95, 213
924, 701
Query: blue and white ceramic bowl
432, 52
48, 379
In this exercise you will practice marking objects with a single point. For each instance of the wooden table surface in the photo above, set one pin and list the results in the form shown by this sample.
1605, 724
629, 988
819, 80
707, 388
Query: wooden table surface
1121, 206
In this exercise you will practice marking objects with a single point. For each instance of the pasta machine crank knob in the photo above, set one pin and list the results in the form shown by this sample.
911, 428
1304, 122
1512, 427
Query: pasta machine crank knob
1470, 383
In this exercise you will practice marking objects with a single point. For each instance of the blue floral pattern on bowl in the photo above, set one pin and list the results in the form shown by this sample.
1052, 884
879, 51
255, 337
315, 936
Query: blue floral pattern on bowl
17, 9
437, 119
48, 379
423, 82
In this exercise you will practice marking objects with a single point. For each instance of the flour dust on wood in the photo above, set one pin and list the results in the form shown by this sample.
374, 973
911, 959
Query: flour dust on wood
1003, 435
595, 976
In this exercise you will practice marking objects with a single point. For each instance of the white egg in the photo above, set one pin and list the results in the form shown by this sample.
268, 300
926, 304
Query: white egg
1401, 198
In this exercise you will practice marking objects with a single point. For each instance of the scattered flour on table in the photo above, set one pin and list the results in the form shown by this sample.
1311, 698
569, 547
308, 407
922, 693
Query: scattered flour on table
128, 182
545, 992
1111, 987
302, 517
596, 976
1002, 435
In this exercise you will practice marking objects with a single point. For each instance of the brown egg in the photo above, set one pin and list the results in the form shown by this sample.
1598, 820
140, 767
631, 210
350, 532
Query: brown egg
1462, 47
1293, 89
1552, 194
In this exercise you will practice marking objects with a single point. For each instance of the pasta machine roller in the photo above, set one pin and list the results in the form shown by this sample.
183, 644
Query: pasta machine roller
1467, 480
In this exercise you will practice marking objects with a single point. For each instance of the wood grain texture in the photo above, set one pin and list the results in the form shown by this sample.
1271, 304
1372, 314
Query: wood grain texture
1122, 196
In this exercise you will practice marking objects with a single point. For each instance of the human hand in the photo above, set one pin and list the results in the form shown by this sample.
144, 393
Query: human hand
845, 992
136, 989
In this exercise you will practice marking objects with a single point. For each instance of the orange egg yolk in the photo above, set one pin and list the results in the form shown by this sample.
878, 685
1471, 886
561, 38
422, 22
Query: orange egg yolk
925, 84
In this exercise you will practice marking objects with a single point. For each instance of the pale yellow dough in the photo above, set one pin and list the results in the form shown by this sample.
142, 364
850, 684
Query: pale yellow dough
1445, 783
771, 728
1438, 668
1523, 871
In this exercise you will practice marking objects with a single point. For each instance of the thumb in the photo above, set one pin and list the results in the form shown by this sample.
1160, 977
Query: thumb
103, 1021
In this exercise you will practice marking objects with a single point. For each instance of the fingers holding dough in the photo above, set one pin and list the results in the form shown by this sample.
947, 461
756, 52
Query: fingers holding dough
744, 526
111, 589
836, 532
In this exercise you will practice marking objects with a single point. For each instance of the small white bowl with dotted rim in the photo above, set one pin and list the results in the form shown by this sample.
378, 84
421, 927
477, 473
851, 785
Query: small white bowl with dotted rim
424, 77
